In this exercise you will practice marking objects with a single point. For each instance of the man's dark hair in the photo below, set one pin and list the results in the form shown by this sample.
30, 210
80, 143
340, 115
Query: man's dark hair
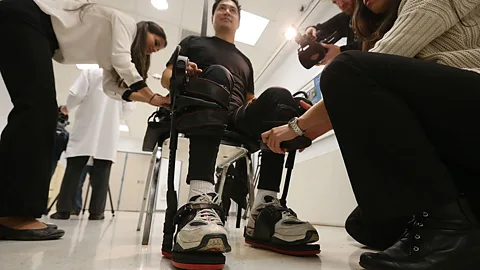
217, 2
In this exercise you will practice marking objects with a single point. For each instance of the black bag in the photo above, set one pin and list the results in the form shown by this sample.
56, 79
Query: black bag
158, 129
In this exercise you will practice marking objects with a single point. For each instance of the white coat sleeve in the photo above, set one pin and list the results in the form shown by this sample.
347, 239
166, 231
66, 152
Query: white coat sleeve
123, 31
127, 109
78, 91
110, 86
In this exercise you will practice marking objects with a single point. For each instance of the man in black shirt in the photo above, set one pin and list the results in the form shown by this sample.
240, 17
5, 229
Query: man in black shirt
247, 115
341, 23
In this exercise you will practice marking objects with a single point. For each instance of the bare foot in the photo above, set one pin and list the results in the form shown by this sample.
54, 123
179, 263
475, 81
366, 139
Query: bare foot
22, 223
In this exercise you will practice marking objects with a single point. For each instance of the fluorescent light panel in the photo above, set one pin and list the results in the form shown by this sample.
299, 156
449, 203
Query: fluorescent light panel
160, 4
87, 66
251, 28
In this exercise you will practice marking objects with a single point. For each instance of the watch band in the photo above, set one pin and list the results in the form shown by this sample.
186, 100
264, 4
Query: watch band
293, 123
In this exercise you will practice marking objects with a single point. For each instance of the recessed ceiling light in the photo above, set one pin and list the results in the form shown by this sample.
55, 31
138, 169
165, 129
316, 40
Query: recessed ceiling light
160, 4
124, 128
87, 66
291, 33
251, 28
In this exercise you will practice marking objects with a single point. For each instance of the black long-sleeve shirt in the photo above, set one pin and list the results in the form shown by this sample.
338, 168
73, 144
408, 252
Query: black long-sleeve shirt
342, 24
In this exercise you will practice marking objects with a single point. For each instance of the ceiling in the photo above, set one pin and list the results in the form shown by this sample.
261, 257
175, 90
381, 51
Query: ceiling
187, 14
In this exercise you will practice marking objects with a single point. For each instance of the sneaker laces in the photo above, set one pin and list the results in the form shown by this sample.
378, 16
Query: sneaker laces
208, 214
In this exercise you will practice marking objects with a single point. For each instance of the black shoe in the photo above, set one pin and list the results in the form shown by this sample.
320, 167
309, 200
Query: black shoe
61, 215
48, 233
446, 238
53, 226
96, 217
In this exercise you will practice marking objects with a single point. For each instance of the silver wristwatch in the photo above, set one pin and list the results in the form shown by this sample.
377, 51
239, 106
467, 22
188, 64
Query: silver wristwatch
293, 124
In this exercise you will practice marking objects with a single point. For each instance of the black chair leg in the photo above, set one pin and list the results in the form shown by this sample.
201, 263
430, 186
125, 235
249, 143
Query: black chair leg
111, 201
239, 216
86, 198
51, 206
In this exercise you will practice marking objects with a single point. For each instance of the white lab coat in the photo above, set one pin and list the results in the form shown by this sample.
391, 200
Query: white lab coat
96, 130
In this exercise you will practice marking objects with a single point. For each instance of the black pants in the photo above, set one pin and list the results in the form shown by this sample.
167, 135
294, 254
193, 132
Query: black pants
251, 119
408, 131
99, 178
26, 145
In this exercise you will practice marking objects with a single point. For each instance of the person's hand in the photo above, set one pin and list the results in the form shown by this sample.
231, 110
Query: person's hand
64, 110
333, 51
275, 136
193, 69
311, 33
159, 100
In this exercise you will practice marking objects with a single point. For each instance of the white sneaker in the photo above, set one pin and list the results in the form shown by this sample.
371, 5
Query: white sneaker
288, 229
200, 227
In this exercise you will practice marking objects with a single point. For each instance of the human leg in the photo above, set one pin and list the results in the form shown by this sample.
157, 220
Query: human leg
68, 189
78, 197
24, 192
405, 130
100, 177
201, 226
273, 107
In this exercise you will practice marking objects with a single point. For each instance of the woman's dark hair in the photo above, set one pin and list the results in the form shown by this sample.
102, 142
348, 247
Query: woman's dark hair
371, 27
217, 2
138, 49
139, 57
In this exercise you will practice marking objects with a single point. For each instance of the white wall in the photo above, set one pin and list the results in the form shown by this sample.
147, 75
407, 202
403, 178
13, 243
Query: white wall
5, 104
127, 144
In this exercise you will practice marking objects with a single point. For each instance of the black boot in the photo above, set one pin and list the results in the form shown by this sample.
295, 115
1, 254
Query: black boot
444, 239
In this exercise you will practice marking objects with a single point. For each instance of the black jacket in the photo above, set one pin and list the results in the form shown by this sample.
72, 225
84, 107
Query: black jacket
342, 24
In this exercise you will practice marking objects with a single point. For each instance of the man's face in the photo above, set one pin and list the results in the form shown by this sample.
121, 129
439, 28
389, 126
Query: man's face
226, 17
345, 5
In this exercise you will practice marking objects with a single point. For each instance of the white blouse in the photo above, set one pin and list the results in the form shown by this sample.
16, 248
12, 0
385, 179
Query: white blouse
101, 36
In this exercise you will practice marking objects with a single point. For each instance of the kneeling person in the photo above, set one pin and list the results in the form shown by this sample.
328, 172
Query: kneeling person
218, 60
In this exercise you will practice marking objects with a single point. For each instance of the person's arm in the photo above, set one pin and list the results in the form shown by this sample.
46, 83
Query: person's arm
339, 23
166, 76
251, 83
192, 69
78, 91
419, 23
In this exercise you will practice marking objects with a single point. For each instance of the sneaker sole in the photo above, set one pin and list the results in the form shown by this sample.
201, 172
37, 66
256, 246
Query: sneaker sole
302, 250
216, 243
198, 261
310, 237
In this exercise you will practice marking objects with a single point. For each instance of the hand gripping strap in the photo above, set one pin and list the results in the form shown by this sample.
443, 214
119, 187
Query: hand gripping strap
208, 90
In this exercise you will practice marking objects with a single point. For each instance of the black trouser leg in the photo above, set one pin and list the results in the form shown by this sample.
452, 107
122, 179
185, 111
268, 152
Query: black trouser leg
70, 182
406, 128
99, 179
26, 145
259, 116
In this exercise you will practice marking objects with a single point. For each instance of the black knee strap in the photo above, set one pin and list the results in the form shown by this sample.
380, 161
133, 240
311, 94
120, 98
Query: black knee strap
209, 90
266, 220
205, 101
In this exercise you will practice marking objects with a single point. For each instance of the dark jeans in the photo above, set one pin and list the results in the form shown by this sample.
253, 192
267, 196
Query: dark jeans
99, 178
408, 130
251, 119
26, 144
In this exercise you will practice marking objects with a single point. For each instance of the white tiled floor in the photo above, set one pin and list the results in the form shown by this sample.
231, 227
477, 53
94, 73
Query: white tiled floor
115, 244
